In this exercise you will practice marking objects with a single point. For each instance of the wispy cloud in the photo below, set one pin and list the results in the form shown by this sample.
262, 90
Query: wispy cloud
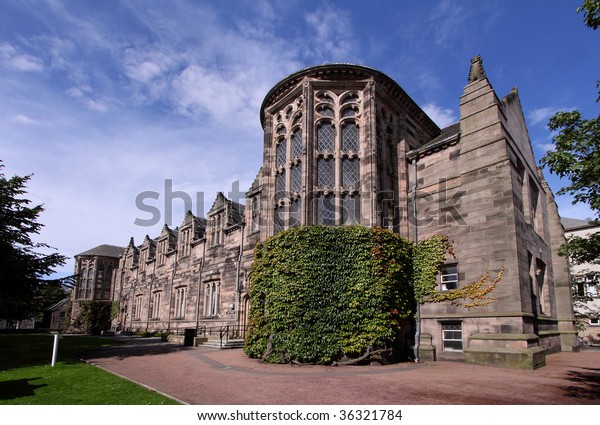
542, 115
441, 116
23, 119
330, 35
20, 61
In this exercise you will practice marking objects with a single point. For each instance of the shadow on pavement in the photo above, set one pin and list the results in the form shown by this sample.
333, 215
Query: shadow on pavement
588, 380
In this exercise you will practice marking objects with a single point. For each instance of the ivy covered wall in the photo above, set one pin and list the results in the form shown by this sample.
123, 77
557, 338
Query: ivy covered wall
322, 294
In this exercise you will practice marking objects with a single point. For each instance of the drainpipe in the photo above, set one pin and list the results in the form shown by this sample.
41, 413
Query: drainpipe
200, 285
171, 292
238, 287
415, 240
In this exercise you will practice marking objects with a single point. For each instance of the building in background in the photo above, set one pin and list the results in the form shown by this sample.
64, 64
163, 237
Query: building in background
586, 284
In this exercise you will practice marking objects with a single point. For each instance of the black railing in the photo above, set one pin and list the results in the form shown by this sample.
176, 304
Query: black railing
225, 333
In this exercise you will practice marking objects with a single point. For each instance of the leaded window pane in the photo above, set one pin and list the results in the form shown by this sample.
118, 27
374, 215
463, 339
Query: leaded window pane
350, 98
326, 112
325, 137
349, 112
281, 152
325, 210
350, 173
350, 210
297, 144
295, 213
350, 138
280, 185
296, 179
279, 219
325, 98
325, 175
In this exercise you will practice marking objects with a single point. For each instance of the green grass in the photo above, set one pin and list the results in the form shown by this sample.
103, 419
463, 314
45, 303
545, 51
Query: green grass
26, 376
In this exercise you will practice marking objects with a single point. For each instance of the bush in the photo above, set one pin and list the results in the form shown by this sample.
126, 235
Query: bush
320, 294
95, 316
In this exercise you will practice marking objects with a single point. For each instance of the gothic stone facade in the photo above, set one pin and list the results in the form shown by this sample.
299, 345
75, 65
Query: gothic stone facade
345, 144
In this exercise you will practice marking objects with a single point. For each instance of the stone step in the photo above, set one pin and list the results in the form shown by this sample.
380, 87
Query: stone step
216, 343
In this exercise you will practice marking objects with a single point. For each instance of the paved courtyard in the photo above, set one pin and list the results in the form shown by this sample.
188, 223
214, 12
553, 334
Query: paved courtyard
219, 377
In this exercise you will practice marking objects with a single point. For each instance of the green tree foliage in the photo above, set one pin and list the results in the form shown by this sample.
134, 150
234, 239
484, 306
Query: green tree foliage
576, 156
23, 289
591, 13
320, 294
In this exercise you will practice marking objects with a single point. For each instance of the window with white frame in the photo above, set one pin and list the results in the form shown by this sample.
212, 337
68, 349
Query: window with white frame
137, 307
155, 309
452, 336
180, 303
212, 299
448, 277
594, 322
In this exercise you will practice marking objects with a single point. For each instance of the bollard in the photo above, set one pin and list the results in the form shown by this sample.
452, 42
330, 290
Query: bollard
54, 349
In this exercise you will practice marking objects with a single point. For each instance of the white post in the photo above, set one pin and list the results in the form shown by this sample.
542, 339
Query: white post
55, 349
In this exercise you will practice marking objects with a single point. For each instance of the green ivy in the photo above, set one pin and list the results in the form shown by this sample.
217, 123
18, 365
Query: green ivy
95, 316
319, 294
428, 256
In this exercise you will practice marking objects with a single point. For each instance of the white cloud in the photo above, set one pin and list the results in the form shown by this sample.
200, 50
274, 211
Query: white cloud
22, 62
23, 119
332, 37
443, 117
539, 115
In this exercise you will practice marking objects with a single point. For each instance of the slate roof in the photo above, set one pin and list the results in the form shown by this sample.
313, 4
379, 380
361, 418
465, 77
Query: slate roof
450, 134
574, 223
104, 251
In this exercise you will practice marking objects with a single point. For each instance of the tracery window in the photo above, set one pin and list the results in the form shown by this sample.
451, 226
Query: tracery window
180, 303
255, 213
325, 173
326, 210
350, 209
325, 137
350, 138
155, 308
350, 173
296, 179
297, 144
281, 153
295, 208
212, 299
280, 185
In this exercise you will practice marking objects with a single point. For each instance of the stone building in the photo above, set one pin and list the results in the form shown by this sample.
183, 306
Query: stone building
95, 270
345, 144
587, 284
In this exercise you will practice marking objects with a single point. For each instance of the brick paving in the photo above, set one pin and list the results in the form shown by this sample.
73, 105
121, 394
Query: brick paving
227, 377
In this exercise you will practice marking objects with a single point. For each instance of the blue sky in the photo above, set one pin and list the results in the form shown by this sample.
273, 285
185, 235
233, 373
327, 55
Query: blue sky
103, 101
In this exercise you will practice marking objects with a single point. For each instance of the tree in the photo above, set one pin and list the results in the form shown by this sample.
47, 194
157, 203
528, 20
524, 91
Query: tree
576, 156
591, 13
23, 289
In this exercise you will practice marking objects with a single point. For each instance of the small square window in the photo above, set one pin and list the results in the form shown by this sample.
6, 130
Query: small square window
452, 336
448, 277
595, 322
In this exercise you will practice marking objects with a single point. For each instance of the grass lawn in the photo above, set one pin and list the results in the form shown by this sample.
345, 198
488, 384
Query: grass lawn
26, 376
